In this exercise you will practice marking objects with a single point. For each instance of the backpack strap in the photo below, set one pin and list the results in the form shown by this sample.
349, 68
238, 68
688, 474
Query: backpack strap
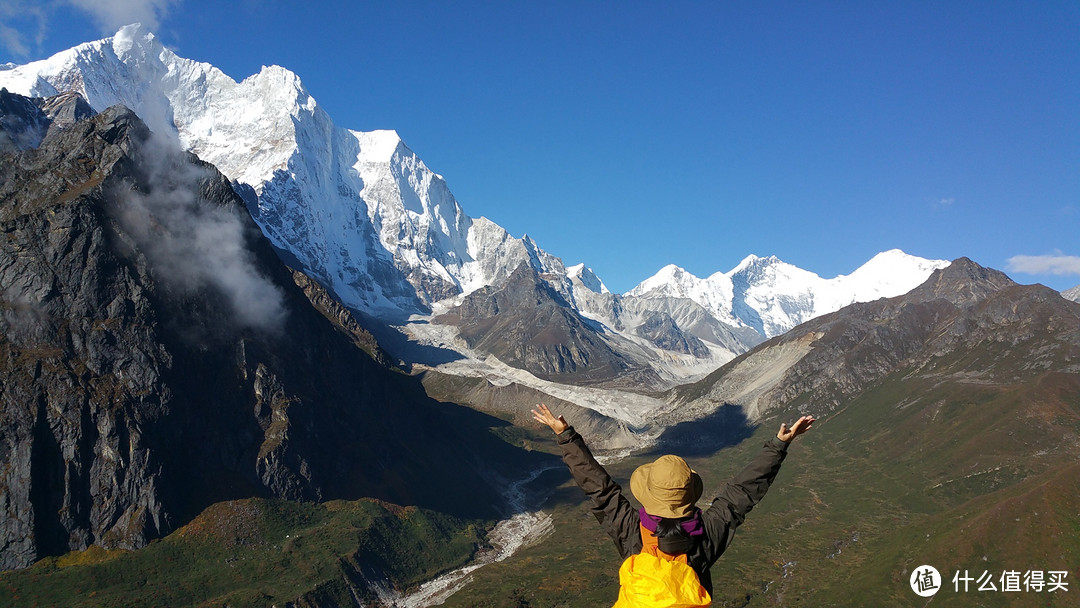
651, 544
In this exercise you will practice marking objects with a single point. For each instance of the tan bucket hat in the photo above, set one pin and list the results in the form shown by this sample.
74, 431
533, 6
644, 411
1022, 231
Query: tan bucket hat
667, 487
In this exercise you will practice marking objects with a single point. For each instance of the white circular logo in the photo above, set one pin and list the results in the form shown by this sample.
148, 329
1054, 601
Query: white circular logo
925, 581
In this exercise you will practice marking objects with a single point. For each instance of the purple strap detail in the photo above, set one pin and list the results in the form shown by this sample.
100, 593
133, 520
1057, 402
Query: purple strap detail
692, 526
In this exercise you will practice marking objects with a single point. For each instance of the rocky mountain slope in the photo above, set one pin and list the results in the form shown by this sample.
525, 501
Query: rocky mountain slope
25, 121
528, 325
949, 424
156, 357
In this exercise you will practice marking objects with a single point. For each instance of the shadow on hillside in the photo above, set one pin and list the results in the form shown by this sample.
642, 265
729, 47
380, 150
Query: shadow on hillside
406, 351
724, 428
728, 426
466, 463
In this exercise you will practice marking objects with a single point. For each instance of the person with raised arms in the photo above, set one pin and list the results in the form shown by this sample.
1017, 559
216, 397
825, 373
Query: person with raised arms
669, 544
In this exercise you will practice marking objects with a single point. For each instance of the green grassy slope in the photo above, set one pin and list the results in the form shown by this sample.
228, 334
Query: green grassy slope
260, 553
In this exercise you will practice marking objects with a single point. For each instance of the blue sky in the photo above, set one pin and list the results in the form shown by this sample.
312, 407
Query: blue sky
633, 135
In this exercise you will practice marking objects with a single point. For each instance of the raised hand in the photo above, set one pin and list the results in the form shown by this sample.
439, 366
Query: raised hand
544, 416
801, 426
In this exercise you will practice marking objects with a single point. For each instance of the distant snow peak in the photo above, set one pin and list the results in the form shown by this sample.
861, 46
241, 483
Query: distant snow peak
587, 278
753, 262
772, 296
1072, 294
671, 280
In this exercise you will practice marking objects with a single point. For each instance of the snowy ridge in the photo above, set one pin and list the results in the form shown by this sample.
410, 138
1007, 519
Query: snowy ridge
1072, 294
587, 278
771, 296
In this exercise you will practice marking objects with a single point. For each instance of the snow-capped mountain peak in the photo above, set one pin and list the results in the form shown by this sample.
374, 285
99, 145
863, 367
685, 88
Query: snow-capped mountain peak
133, 38
892, 264
888, 274
587, 278
772, 296
753, 263
1072, 294
671, 280
757, 272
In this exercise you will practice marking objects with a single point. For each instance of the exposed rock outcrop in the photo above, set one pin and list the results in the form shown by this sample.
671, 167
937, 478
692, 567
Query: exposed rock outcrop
528, 324
661, 330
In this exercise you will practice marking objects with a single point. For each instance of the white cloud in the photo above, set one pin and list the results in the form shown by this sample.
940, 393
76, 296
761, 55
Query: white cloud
111, 15
1044, 264
192, 242
12, 40
23, 24
17, 18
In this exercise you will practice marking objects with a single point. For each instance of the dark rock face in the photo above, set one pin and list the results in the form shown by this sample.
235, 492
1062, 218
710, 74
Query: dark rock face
156, 357
527, 324
81, 373
22, 123
25, 121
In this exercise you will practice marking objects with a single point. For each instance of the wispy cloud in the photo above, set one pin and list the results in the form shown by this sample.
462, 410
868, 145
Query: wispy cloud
110, 15
21, 24
1056, 264
193, 242
24, 24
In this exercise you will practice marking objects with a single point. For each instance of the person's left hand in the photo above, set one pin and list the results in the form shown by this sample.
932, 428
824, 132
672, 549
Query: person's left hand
544, 416
801, 425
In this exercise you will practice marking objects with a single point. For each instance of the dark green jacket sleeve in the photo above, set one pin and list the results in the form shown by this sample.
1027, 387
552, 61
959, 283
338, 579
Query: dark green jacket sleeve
616, 516
738, 496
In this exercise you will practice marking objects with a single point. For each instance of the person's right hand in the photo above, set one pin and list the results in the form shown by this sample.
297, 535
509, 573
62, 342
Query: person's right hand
801, 425
544, 416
